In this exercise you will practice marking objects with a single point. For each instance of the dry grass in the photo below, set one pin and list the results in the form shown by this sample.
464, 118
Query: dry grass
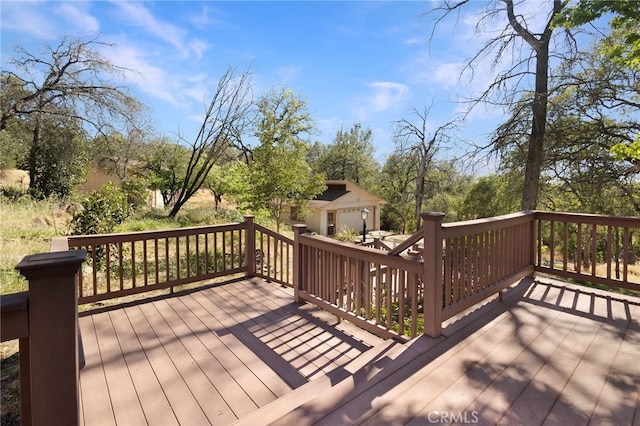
27, 228
10, 383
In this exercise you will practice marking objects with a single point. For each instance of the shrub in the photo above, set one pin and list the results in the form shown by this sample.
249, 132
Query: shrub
101, 211
347, 235
136, 189
13, 193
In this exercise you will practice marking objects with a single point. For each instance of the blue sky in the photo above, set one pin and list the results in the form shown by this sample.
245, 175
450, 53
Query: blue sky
354, 62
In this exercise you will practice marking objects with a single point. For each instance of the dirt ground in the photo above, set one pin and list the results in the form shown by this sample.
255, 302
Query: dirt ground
14, 177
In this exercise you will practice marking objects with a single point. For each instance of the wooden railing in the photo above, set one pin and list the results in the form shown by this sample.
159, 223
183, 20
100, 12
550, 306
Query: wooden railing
273, 256
481, 257
446, 268
125, 264
377, 292
589, 248
432, 276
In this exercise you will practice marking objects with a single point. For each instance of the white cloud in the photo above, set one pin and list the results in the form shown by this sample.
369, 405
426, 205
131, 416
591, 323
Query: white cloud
382, 97
208, 16
82, 22
149, 79
387, 95
199, 47
27, 17
134, 13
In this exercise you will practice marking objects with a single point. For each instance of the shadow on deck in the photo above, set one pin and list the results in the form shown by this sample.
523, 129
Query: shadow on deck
549, 352
208, 356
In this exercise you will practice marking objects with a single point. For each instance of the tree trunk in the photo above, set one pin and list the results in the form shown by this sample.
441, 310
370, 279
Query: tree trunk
34, 157
531, 185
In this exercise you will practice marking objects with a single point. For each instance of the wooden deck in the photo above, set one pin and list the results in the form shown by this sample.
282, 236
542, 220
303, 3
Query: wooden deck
549, 353
207, 357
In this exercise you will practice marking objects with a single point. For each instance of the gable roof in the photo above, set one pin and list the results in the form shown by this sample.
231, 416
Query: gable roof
337, 189
333, 192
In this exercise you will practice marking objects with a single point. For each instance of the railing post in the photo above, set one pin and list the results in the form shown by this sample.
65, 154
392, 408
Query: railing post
432, 228
53, 335
250, 245
297, 261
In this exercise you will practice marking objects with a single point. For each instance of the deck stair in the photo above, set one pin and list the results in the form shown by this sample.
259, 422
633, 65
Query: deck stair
368, 369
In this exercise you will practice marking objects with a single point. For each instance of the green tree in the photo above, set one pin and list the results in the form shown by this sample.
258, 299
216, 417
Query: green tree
624, 43
621, 46
15, 138
165, 164
280, 175
398, 188
489, 196
59, 161
70, 82
229, 179
446, 189
350, 157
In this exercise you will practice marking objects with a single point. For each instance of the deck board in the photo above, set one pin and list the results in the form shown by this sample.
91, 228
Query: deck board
550, 353
206, 357
94, 393
146, 384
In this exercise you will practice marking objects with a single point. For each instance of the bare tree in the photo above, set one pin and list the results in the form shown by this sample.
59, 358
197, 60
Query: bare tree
507, 85
68, 83
225, 120
414, 140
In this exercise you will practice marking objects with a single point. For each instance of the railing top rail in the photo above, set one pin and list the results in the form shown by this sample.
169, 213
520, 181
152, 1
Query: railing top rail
598, 219
469, 227
15, 317
147, 235
408, 243
273, 233
362, 252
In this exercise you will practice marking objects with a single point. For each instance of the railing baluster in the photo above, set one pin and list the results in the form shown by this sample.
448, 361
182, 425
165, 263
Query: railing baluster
156, 260
608, 250
625, 253
133, 264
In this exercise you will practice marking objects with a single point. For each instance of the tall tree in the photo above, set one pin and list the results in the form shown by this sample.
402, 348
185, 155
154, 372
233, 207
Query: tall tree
415, 141
225, 121
398, 188
350, 157
280, 175
592, 110
69, 83
625, 23
621, 46
507, 82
